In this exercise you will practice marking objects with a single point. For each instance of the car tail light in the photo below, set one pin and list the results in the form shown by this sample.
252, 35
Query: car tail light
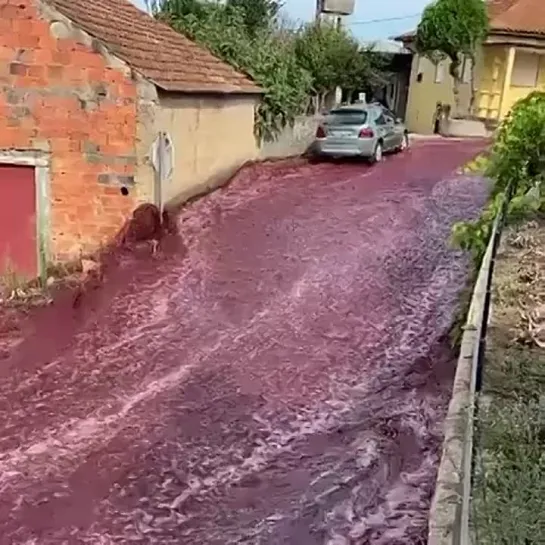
320, 133
366, 133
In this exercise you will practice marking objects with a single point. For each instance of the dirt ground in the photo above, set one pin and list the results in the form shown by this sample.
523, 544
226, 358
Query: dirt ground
509, 498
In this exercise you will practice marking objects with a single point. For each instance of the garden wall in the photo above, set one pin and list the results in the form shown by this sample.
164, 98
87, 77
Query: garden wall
293, 140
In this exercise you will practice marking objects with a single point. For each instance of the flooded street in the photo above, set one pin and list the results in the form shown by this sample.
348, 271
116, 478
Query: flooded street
277, 375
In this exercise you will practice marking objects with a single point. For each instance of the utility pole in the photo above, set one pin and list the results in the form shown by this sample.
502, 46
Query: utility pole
319, 9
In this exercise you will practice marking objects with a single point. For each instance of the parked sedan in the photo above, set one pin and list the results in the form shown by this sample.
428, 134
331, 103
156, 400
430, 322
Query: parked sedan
360, 130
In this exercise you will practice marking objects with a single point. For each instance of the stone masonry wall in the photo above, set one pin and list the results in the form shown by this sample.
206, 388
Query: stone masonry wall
293, 140
60, 92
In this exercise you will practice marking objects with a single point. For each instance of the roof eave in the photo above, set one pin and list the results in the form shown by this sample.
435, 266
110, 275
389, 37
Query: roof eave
509, 32
219, 90
403, 38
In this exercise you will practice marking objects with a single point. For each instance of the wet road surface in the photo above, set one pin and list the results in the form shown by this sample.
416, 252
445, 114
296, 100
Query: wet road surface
280, 378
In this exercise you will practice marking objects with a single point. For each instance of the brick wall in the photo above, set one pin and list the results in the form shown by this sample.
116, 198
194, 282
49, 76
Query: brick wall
58, 94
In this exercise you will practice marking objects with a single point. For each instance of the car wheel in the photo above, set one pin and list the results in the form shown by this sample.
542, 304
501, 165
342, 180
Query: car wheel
377, 154
404, 143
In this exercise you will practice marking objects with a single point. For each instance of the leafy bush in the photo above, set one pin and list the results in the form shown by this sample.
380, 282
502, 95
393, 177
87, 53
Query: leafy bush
269, 61
517, 167
334, 58
519, 150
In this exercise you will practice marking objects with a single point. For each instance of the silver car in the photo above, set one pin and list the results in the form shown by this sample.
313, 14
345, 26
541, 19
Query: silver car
360, 130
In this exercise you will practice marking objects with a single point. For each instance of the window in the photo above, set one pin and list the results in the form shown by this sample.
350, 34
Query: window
347, 116
420, 68
525, 70
440, 72
381, 119
389, 114
466, 71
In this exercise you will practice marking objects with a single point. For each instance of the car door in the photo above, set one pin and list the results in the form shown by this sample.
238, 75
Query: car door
398, 129
386, 130
381, 127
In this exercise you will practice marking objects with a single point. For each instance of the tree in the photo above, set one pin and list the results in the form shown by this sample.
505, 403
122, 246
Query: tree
364, 71
257, 14
453, 29
287, 63
167, 9
334, 59
259, 53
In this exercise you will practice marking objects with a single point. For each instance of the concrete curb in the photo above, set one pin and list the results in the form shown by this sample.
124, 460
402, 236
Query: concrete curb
449, 514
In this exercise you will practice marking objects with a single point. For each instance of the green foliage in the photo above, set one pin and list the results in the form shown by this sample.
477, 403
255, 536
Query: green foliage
479, 165
509, 488
519, 149
517, 167
453, 29
290, 65
257, 14
334, 58
268, 60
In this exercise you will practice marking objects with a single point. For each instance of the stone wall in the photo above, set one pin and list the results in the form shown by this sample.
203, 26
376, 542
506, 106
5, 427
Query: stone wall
449, 521
62, 94
292, 140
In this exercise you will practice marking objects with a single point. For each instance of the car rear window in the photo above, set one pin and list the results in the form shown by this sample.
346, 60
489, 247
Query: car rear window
347, 117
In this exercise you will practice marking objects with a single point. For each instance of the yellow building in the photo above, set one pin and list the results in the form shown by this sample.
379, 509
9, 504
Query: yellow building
510, 65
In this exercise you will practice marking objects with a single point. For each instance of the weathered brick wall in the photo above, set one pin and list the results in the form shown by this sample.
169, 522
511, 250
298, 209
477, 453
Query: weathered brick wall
60, 92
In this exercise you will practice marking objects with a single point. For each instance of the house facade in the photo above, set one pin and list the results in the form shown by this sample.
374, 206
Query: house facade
430, 84
510, 65
513, 57
86, 89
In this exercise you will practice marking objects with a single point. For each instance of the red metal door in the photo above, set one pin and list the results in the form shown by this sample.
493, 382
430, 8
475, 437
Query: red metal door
18, 241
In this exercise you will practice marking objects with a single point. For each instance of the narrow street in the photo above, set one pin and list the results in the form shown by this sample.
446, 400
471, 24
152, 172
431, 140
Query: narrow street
277, 375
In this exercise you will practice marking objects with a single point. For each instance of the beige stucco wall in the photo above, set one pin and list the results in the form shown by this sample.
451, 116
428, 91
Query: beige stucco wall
424, 95
212, 136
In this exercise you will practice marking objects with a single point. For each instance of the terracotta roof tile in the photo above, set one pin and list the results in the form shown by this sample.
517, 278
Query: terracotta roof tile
495, 7
523, 16
162, 55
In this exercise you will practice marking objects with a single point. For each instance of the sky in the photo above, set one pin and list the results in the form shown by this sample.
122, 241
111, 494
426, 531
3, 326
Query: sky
372, 19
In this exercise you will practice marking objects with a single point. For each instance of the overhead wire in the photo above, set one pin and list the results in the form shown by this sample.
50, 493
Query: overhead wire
384, 19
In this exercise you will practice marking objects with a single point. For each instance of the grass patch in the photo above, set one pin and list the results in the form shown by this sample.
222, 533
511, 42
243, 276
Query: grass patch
16, 289
509, 494
509, 487
477, 165
11, 282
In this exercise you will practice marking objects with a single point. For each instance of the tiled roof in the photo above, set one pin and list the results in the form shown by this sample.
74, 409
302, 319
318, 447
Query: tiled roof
519, 16
495, 7
162, 55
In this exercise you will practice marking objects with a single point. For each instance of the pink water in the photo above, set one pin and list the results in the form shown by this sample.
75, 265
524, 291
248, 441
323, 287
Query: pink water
277, 374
